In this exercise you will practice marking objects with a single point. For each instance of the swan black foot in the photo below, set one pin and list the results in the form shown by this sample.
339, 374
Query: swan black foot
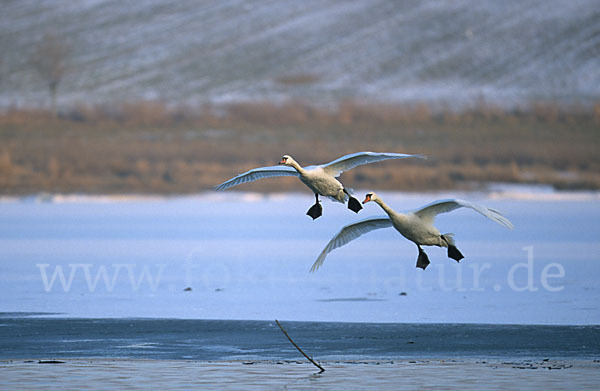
354, 204
315, 211
454, 253
422, 260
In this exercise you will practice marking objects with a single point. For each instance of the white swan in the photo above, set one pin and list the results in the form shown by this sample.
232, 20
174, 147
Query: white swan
320, 179
416, 226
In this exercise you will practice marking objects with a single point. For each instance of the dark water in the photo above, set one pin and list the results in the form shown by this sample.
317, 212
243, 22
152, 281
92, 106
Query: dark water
34, 336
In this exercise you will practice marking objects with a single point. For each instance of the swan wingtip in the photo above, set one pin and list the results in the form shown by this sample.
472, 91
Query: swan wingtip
318, 263
507, 223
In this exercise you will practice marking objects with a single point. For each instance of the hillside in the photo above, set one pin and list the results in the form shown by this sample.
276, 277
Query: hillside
451, 52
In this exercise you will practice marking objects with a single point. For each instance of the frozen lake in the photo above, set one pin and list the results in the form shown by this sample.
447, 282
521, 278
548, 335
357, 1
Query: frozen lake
247, 256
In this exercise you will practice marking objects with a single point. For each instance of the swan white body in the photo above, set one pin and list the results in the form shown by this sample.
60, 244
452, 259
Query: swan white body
320, 182
321, 179
416, 226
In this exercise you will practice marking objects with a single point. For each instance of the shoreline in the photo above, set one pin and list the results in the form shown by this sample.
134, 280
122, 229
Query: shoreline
4, 315
506, 191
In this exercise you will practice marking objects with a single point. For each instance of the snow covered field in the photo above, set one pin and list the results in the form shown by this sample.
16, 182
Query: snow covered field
458, 52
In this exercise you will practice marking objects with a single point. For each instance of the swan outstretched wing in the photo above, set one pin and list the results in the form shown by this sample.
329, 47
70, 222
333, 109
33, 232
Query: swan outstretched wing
257, 173
348, 162
428, 212
349, 233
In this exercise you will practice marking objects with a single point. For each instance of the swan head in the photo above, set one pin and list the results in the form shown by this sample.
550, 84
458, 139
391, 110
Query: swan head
370, 197
287, 160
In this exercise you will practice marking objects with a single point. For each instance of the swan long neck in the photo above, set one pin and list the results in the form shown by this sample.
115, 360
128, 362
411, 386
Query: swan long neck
390, 212
296, 166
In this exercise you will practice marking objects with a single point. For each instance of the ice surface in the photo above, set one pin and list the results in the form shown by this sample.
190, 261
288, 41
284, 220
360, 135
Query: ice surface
247, 256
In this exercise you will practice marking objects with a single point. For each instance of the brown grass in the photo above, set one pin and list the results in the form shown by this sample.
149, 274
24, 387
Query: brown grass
149, 147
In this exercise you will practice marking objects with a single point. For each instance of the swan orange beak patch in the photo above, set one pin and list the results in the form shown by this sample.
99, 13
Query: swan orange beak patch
283, 161
367, 199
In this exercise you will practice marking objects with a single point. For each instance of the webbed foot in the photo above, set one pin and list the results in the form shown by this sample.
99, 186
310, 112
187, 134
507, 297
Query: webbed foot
422, 260
454, 253
315, 211
354, 205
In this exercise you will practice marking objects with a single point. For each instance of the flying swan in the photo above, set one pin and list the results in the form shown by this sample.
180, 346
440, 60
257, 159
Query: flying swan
416, 226
320, 179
